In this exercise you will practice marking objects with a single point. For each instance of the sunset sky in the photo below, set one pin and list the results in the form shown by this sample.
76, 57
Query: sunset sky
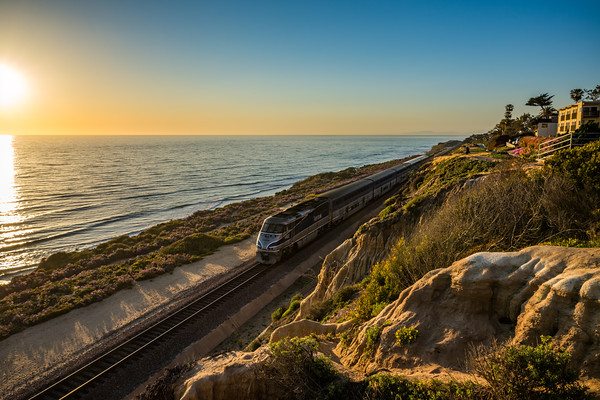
290, 67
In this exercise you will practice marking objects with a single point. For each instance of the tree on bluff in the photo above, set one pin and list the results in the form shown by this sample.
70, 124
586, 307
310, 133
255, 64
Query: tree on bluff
544, 101
593, 94
577, 95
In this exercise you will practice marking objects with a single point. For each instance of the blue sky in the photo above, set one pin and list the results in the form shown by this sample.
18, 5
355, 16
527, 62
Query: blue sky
292, 67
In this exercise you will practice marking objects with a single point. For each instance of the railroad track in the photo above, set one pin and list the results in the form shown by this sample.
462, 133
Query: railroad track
81, 383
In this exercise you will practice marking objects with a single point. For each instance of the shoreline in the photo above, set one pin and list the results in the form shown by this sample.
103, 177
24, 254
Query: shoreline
196, 196
70, 281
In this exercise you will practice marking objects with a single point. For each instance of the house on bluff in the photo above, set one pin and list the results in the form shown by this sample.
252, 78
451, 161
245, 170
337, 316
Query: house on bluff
572, 117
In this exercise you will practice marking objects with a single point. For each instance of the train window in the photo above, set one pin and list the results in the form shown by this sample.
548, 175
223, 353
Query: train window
274, 228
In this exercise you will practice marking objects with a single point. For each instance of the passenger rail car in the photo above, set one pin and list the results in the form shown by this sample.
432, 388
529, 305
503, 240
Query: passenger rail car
288, 230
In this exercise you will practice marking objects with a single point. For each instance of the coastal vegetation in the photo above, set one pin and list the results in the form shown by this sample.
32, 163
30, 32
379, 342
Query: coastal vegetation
509, 372
528, 372
69, 280
585, 94
295, 367
506, 210
502, 206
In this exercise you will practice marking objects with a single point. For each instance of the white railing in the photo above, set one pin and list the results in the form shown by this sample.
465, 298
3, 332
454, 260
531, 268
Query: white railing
547, 148
568, 141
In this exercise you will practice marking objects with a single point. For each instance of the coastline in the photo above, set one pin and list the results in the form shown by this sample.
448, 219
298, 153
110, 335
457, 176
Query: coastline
67, 281
101, 192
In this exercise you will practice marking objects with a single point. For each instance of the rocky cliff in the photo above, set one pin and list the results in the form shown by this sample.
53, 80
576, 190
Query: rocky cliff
352, 260
552, 291
515, 296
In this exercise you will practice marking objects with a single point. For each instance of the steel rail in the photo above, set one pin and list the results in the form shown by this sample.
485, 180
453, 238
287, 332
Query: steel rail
97, 368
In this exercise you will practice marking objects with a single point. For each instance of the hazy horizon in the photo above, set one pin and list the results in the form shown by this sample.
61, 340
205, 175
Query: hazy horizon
428, 133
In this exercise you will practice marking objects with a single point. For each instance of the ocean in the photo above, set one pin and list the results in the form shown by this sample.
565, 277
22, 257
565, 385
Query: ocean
61, 193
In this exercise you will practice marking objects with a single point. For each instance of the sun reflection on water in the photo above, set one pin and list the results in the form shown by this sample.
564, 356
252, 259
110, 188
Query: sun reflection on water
8, 190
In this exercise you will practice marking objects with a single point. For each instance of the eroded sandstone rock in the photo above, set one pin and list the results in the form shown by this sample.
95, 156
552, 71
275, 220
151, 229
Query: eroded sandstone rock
230, 375
551, 291
351, 261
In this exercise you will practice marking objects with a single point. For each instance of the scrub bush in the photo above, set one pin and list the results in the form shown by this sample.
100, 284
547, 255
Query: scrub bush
581, 164
344, 295
294, 305
295, 367
373, 334
506, 211
56, 260
320, 311
406, 335
276, 315
390, 387
526, 372
198, 244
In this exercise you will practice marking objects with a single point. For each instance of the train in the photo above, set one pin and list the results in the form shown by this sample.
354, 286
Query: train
285, 232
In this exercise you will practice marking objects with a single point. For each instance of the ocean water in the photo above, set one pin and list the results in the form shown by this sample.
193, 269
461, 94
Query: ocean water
60, 193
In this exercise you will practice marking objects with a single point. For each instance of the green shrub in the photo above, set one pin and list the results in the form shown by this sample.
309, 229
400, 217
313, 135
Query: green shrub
276, 315
526, 372
344, 295
320, 311
372, 335
347, 337
387, 212
56, 260
294, 305
572, 242
581, 164
297, 297
390, 387
406, 335
382, 286
295, 367
197, 244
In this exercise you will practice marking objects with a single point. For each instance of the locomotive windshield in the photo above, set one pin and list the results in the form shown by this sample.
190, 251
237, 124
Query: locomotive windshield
273, 228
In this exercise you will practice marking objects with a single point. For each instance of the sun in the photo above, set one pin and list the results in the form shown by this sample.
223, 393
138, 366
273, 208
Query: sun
13, 87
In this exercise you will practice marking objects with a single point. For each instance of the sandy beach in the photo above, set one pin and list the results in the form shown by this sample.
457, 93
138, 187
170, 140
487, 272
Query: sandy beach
38, 351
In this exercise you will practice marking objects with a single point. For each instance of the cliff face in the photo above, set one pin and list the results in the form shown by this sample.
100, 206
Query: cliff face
352, 260
551, 291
